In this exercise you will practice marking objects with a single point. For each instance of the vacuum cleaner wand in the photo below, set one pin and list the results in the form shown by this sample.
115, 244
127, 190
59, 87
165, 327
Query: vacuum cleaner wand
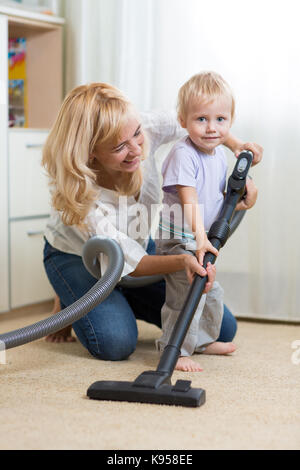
155, 386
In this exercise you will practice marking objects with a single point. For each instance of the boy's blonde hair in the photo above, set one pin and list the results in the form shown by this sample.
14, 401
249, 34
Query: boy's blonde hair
204, 86
90, 116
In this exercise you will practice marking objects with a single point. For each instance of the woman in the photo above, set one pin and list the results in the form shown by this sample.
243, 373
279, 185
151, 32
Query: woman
100, 157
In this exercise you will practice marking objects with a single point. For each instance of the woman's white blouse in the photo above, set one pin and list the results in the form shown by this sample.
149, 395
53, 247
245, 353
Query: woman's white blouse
123, 218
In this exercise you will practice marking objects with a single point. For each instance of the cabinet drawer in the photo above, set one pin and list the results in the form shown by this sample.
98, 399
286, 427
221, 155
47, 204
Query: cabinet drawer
29, 283
28, 185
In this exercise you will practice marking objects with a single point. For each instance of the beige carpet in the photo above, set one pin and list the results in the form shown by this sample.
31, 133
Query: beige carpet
253, 396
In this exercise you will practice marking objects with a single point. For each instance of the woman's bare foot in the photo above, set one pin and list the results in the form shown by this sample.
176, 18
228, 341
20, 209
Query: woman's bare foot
186, 364
220, 348
64, 335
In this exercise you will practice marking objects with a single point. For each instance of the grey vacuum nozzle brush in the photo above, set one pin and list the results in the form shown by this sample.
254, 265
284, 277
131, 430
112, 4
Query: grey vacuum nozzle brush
149, 388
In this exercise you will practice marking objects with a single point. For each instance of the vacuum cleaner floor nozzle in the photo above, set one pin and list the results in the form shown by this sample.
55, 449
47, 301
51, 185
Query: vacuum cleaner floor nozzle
179, 395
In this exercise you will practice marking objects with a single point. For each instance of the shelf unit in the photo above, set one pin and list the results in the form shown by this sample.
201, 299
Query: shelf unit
24, 192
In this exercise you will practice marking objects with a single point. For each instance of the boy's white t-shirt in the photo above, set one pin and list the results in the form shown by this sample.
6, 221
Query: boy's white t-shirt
186, 165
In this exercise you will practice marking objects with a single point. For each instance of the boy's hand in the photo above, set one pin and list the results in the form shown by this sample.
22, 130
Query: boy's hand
237, 146
203, 248
256, 149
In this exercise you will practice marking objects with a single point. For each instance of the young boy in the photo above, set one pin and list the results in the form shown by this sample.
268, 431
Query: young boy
194, 179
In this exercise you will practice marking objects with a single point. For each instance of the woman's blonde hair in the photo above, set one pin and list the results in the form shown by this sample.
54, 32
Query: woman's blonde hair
90, 116
204, 86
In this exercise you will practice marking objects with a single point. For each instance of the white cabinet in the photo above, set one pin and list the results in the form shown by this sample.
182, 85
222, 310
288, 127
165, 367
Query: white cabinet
29, 207
28, 185
24, 191
28, 280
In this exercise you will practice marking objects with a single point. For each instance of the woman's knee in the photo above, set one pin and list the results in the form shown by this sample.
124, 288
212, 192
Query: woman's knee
107, 345
229, 326
117, 348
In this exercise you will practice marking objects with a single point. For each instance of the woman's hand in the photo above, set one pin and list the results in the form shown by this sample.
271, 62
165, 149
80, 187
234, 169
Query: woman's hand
251, 196
192, 267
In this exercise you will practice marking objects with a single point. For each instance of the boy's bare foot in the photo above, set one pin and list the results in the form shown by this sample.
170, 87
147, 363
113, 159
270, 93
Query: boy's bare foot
62, 336
220, 348
186, 364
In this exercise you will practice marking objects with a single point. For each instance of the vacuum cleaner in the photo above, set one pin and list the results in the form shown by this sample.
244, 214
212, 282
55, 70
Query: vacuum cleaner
155, 386
106, 283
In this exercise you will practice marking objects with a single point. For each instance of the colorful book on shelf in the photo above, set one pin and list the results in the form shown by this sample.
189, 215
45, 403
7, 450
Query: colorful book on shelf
17, 82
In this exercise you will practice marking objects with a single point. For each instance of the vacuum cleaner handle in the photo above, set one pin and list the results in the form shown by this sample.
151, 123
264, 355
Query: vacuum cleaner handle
218, 235
236, 189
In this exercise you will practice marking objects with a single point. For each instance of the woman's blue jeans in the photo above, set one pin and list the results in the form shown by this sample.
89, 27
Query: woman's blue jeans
109, 332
